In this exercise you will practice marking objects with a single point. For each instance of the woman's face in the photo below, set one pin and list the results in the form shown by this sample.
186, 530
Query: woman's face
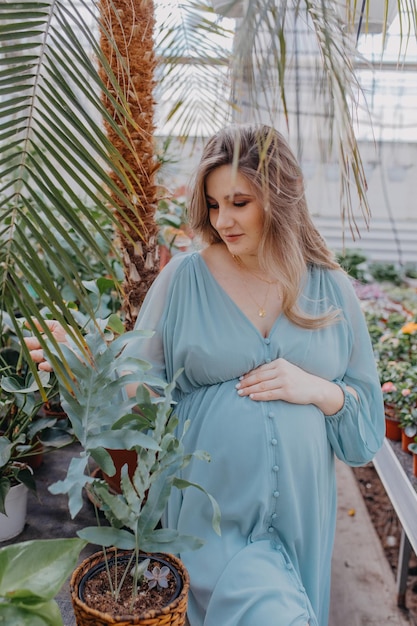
234, 211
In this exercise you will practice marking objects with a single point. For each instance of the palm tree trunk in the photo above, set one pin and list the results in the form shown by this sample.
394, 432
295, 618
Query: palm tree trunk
127, 43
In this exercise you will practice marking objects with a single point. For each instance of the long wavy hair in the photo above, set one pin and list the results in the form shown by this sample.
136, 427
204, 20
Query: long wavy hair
290, 241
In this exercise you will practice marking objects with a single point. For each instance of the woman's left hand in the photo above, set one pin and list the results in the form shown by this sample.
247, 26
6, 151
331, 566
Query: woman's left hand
282, 380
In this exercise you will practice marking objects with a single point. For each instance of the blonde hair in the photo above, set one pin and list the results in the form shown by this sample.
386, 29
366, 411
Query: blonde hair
290, 241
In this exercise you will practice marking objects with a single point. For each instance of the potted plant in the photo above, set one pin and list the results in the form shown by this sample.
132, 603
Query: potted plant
18, 445
103, 418
408, 423
392, 421
23, 436
412, 447
31, 574
397, 379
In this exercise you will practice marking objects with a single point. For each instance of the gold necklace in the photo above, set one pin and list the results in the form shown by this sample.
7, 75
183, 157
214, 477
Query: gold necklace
261, 308
239, 262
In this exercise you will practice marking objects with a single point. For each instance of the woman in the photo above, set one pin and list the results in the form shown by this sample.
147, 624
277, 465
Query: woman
278, 376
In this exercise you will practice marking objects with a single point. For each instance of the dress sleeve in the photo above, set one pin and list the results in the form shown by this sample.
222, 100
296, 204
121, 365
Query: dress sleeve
151, 317
357, 431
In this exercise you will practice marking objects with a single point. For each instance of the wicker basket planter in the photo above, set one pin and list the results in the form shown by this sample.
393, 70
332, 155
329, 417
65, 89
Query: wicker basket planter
173, 614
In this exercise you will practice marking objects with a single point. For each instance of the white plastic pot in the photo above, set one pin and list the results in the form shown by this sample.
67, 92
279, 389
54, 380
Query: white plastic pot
13, 523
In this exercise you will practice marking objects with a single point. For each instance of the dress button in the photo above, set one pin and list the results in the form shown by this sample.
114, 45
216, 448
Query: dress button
271, 415
276, 494
267, 360
274, 442
271, 529
274, 516
275, 468
267, 341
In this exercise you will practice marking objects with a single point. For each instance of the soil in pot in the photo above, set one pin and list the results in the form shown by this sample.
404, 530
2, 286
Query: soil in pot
90, 585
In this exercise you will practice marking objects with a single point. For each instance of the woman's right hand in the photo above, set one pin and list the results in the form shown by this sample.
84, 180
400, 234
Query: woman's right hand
35, 350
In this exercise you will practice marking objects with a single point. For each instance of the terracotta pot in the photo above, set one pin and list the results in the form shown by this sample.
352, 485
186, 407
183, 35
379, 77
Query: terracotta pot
392, 428
13, 523
405, 441
120, 458
35, 458
164, 256
415, 464
173, 614
54, 409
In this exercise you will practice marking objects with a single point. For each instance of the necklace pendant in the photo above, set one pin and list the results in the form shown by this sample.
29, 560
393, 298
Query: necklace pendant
261, 312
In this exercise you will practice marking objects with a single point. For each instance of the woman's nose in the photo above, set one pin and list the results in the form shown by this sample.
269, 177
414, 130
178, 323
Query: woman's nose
224, 218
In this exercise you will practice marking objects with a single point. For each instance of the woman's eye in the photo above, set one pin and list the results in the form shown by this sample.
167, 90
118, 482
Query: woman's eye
242, 203
212, 207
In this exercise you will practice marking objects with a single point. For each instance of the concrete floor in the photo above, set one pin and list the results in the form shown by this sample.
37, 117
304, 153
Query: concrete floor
363, 586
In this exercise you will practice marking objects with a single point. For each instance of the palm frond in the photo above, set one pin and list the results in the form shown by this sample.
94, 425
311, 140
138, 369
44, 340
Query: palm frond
193, 82
59, 171
294, 68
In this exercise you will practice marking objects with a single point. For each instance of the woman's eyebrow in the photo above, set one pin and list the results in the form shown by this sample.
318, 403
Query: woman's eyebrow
232, 196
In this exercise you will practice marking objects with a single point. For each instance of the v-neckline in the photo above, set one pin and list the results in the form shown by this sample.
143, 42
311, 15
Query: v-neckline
236, 306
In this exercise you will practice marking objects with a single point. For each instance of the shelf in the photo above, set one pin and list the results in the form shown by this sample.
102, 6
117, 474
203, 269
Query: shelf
403, 498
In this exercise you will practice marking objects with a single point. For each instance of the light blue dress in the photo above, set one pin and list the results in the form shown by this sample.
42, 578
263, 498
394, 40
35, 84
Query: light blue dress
272, 463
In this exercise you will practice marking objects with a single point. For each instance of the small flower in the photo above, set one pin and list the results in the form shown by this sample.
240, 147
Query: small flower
405, 392
409, 329
388, 387
158, 577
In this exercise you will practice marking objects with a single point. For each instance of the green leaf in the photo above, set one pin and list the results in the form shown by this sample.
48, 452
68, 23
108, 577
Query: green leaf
124, 439
134, 420
40, 614
12, 384
103, 460
26, 477
158, 541
183, 484
107, 536
35, 570
115, 324
4, 490
73, 484
6, 448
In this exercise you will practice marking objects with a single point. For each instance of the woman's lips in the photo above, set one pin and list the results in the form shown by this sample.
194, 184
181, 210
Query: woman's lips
231, 238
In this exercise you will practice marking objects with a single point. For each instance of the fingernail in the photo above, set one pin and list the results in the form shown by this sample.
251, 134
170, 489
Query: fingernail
237, 386
240, 377
240, 391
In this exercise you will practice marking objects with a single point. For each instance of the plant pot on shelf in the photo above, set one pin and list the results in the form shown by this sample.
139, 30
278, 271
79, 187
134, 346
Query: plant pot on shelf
412, 449
407, 437
13, 522
392, 423
172, 611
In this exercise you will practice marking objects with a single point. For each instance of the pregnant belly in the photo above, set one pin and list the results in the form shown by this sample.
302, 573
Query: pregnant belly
247, 442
